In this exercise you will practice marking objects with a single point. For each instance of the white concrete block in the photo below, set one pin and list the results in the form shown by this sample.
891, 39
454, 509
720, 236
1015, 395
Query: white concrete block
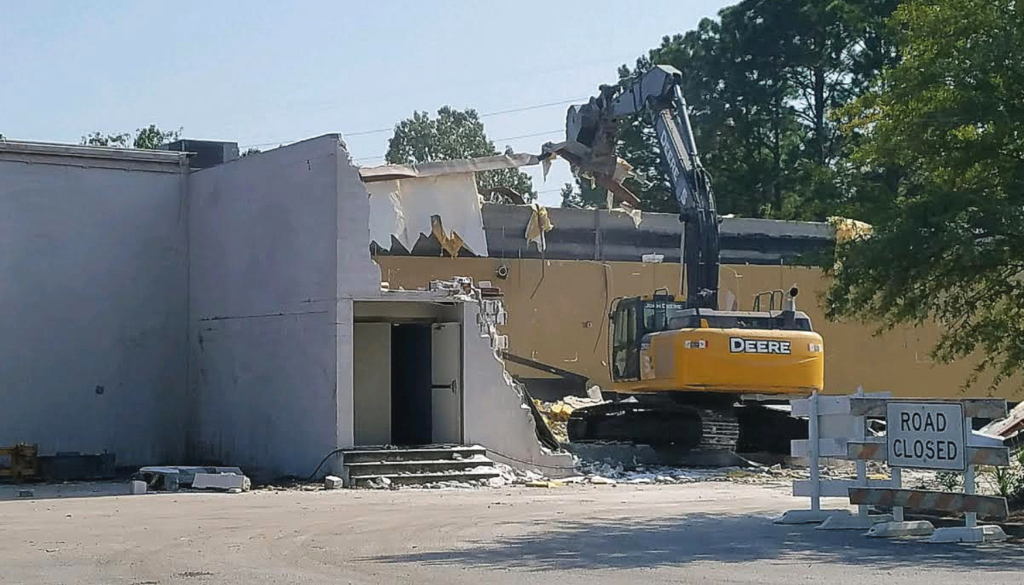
220, 481
333, 482
138, 487
963, 534
896, 529
850, 521
807, 516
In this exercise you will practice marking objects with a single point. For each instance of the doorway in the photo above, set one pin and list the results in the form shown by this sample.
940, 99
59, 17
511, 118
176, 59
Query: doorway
411, 406
426, 384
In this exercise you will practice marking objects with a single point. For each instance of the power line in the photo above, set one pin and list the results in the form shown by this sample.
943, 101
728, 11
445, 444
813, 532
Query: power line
484, 115
533, 135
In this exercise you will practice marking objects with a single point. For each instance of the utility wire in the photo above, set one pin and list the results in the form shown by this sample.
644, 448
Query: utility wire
535, 134
484, 115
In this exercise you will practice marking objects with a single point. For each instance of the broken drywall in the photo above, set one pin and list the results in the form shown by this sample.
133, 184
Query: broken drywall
403, 208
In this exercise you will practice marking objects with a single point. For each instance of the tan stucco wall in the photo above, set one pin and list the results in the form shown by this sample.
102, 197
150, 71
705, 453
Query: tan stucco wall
558, 313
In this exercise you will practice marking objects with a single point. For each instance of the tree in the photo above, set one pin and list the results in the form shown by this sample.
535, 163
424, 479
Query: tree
454, 134
948, 241
148, 138
251, 151
571, 197
762, 84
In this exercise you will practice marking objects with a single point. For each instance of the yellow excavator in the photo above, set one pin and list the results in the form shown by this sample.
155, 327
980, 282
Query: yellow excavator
684, 372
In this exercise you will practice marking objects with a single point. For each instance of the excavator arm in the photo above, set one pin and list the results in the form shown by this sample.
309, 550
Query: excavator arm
590, 146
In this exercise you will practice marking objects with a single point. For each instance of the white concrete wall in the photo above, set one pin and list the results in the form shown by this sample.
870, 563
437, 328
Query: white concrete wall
93, 275
278, 244
496, 415
372, 390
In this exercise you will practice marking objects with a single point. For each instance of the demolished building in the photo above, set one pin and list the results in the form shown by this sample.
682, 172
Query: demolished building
227, 311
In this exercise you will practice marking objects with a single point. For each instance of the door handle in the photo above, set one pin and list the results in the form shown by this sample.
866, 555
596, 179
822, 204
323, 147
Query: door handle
454, 386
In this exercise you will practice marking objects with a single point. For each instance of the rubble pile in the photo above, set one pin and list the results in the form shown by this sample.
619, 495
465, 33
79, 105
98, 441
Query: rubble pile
556, 414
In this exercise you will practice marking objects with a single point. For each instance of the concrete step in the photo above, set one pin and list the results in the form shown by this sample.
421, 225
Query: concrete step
406, 467
362, 481
377, 455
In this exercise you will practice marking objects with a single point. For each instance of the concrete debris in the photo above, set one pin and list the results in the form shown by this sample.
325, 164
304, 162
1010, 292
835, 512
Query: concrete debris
545, 484
380, 483
507, 474
556, 414
333, 482
26, 494
172, 478
574, 479
221, 481
527, 475
599, 480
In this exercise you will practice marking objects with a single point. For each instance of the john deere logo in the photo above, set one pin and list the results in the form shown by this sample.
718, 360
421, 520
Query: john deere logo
740, 345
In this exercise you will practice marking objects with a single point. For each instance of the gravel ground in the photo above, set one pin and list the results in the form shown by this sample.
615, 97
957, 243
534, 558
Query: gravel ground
718, 531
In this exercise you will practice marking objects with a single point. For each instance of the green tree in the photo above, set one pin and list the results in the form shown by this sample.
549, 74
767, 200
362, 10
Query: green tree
571, 197
948, 241
453, 134
148, 138
763, 83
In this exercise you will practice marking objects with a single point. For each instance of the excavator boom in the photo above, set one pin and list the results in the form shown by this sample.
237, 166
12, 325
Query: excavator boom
591, 131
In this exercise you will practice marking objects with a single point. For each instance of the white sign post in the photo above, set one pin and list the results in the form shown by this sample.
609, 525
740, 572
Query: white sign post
923, 435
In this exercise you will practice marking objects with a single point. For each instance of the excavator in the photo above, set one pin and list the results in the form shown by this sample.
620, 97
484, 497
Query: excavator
685, 373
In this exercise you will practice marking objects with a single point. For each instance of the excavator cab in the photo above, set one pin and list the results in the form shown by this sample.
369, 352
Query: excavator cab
632, 319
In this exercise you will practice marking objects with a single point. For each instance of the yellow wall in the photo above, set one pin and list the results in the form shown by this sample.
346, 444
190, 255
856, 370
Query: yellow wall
558, 315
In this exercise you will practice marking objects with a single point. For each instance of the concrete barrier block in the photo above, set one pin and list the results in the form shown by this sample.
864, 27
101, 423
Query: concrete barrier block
850, 521
138, 487
220, 481
807, 516
333, 482
898, 529
978, 534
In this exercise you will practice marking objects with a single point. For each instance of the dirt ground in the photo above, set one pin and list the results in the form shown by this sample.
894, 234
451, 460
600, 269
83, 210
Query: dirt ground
719, 532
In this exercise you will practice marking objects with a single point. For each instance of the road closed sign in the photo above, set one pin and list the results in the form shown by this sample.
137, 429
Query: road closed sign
926, 435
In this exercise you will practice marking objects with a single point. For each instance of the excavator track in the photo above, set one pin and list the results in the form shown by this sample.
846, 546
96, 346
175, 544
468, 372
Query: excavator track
695, 427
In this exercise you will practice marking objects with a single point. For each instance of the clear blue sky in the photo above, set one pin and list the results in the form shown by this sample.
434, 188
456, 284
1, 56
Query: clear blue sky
267, 72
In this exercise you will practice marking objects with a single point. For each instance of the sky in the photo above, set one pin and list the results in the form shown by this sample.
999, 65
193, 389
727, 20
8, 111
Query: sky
265, 73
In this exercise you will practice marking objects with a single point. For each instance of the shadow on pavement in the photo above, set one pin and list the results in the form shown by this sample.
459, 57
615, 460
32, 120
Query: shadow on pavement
630, 544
